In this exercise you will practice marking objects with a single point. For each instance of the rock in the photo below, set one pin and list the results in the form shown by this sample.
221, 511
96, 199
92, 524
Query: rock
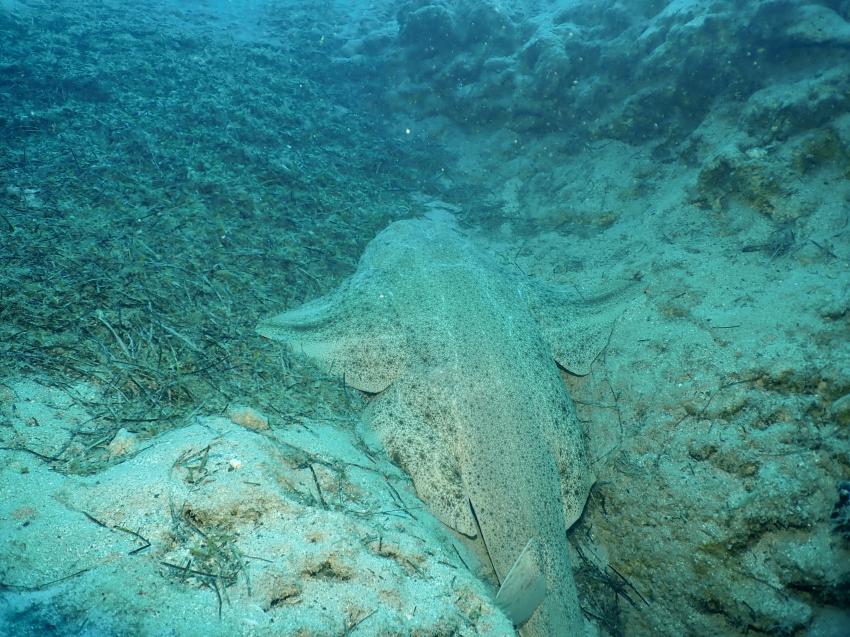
787, 108
840, 410
122, 444
247, 417
814, 24
429, 29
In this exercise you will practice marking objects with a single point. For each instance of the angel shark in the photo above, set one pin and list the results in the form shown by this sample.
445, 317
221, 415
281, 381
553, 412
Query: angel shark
461, 353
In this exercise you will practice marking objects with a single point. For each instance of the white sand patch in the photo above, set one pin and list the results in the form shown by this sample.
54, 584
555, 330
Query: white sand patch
296, 532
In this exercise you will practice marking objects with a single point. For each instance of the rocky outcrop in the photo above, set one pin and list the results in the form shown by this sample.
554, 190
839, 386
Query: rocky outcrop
631, 71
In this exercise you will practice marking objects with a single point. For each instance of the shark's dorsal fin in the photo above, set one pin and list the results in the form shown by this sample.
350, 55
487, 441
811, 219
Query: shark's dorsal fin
524, 587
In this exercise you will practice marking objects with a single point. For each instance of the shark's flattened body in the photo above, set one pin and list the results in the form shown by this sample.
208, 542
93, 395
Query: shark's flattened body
471, 402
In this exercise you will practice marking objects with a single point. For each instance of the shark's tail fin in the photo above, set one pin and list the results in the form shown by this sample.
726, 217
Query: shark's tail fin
524, 587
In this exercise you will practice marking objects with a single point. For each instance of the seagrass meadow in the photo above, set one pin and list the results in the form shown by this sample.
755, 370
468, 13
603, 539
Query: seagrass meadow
164, 185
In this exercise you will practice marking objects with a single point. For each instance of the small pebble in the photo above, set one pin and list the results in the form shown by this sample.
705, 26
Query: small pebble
247, 417
122, 443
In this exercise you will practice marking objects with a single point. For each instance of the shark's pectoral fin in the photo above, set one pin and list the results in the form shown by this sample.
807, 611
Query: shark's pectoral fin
399, 419
524, 587
577, 329
352, 332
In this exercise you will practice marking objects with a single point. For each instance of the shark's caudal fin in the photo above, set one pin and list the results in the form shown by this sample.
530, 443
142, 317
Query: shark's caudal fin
524, 587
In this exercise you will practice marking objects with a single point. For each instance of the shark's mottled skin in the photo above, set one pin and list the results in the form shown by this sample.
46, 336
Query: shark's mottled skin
461, 351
